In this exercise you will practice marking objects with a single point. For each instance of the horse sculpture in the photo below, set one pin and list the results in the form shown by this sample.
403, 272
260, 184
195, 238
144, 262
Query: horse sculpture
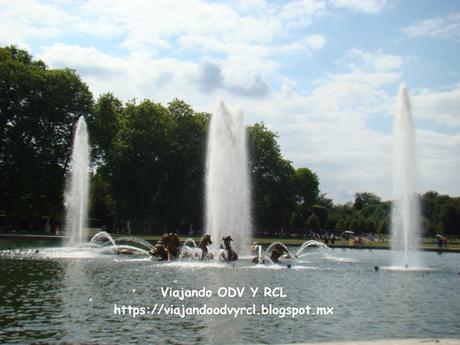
205, 241
231, 255
277, 251
161, 251
167, 248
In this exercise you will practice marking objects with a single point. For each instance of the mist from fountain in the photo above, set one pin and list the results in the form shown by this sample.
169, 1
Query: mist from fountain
105, 243
77, 187
190, 250
405, 222
311, 243
228, 206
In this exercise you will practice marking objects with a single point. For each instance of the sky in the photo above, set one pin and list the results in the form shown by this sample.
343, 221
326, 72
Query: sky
322, 74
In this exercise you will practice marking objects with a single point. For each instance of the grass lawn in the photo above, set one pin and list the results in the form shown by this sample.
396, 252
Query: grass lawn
426, 242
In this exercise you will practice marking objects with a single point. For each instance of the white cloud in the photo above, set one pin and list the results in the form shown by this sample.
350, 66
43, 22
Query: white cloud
135, 76
439, 161
305, 45
365, 6
441, 107
379, 61
198, 50
31, 21
240, 38
158, 25
299, 14
327, 131
324, 129
316, 42
438, 27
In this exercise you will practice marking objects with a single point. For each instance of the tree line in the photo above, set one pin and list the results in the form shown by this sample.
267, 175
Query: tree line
148, 163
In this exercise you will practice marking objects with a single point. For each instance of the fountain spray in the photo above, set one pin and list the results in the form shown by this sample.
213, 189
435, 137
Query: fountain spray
77, 186
405, 223
228, 206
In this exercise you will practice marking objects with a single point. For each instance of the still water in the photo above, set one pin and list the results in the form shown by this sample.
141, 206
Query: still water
52, 298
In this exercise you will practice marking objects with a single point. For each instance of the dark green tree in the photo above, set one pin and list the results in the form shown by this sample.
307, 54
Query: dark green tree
273, 179
313, 222
104, 127
364, 199
38, 110
307, 188
297, 221
138, 171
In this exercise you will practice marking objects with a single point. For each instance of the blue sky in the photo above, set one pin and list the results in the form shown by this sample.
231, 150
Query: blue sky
323, 74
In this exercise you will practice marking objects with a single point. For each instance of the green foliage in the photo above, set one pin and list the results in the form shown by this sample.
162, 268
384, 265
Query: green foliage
102, 203
307, 188
104, 126
297, 221
365, 199
148, 162
38, 110
325, 202
382, 227
365, 218
441, 214
322, 214
273, 178
313, 222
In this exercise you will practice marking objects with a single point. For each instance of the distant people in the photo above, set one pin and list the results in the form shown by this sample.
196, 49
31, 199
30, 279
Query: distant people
439, 240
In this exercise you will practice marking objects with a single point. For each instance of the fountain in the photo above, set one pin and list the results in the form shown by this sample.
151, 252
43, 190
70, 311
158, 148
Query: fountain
405, 223
228, 207
77, 188
190, 250
76, 208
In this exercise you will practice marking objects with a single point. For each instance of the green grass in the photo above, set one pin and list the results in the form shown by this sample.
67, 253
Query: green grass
426, 242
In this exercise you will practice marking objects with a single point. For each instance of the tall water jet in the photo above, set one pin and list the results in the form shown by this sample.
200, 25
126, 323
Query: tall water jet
406, 206
77, 186
228, 200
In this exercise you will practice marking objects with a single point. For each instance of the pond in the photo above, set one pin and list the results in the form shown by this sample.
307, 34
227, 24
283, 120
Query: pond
53, 298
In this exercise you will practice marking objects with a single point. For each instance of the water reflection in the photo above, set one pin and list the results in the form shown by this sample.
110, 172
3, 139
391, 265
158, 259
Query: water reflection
71, 300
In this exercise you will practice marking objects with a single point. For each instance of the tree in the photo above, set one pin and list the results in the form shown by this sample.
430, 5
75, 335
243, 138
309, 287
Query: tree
104, 126
322, 214
364, 199
307, 190
313, 222
382, 228
323, 201
341, 224
272, 178
441, 213
185, 166
450, 218
38, 110
138, 170
101, 201
297, 221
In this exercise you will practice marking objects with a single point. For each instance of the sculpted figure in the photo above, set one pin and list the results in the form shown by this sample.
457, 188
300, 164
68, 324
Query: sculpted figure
161, 251
167, 248
205, 241
277, 251
231, 255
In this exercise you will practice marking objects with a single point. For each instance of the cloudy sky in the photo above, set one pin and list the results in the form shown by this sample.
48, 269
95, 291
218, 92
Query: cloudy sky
323, 74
